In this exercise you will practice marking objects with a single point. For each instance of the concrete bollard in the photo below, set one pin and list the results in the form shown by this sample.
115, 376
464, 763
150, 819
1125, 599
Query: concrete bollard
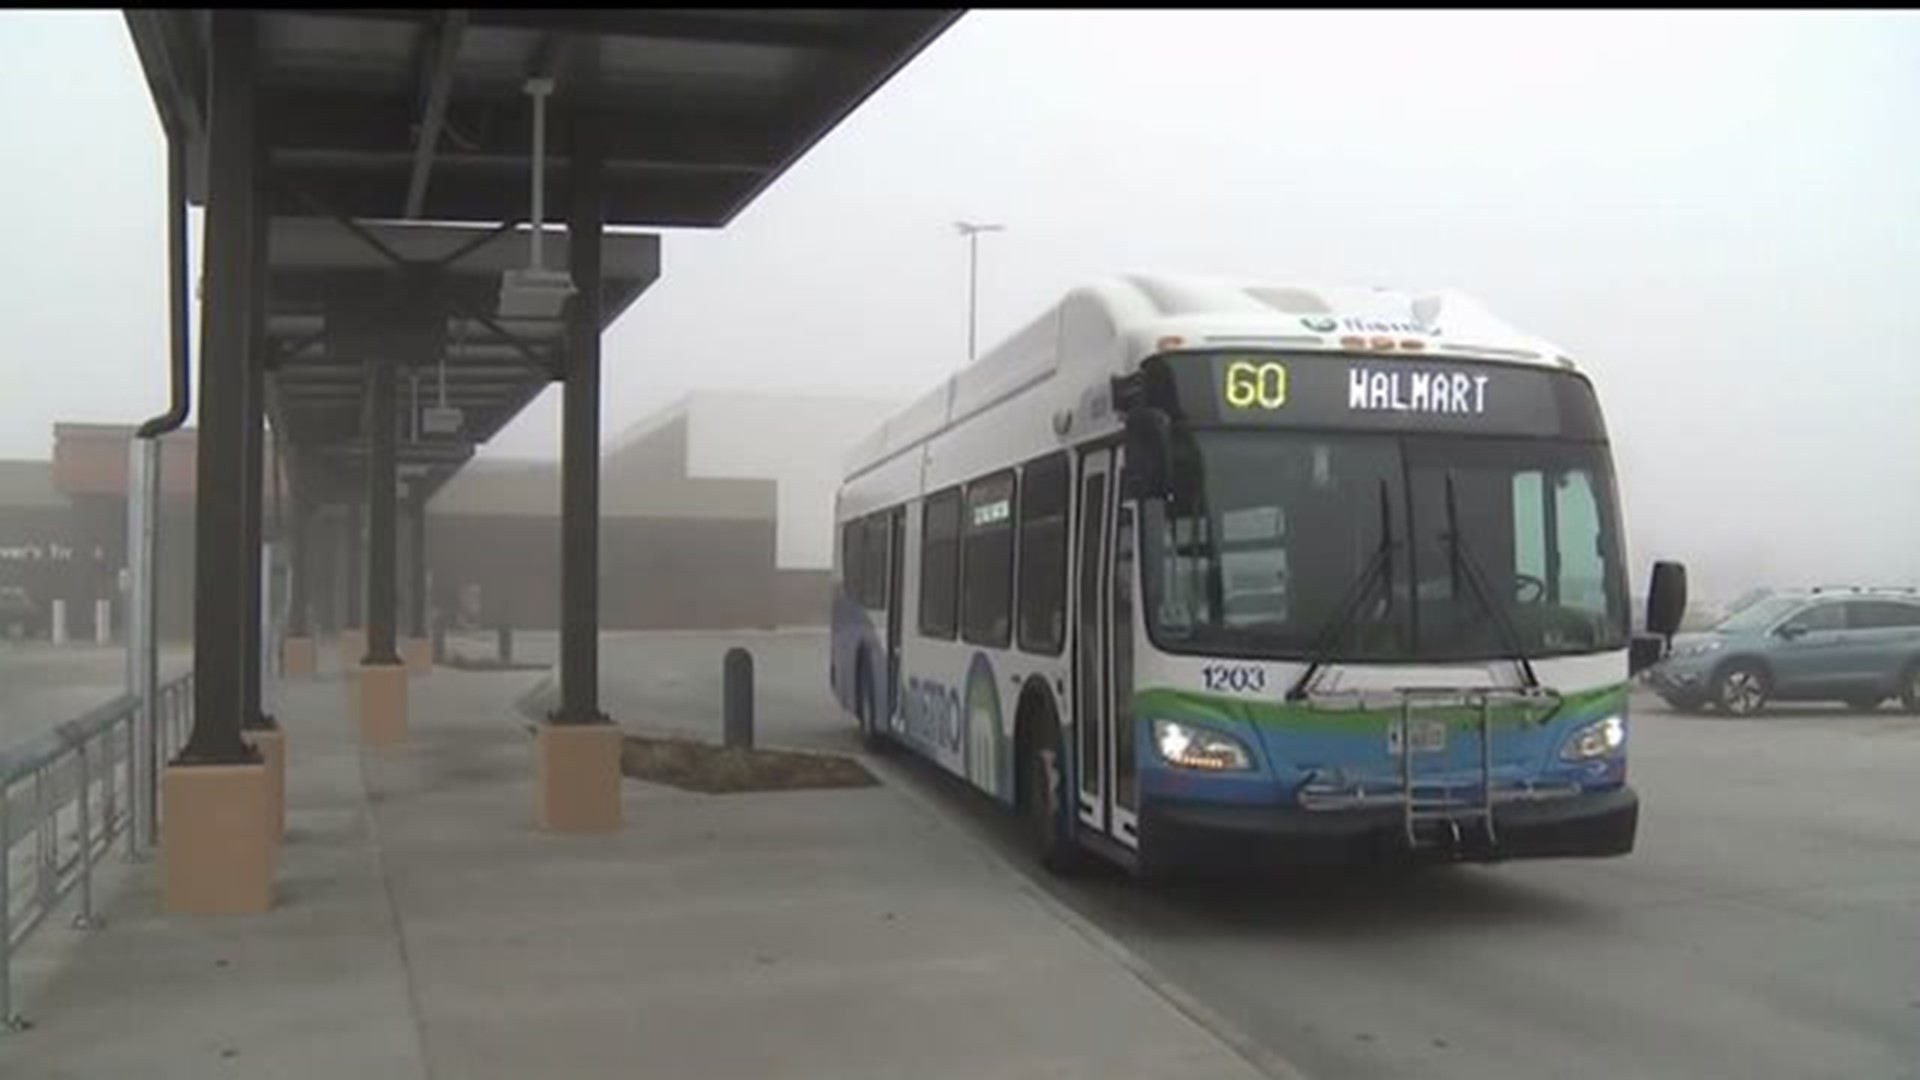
57, 633
737, 699
103, 622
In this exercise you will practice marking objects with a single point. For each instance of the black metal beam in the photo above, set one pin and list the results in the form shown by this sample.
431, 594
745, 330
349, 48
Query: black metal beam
322, 290
300, 544
891, 40
253, 479
314, 129
580, 444
355, 541
219, 471
457, 305
382, 478
324, 372
314, 291
482, 392
322, 562
176, 70
666, 200
764, 27
452, 258
417, 562
449, 29
469, 296
452, 454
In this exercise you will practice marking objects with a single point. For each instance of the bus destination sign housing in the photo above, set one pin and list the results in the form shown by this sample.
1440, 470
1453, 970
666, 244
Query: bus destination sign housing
1372, 392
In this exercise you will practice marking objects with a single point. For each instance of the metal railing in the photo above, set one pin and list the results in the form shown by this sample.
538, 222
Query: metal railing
65, 797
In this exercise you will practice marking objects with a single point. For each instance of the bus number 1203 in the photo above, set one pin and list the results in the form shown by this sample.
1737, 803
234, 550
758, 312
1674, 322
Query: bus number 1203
1235, 678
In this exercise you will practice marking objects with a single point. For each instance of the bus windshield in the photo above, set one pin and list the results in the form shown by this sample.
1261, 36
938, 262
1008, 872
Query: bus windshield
1270, 534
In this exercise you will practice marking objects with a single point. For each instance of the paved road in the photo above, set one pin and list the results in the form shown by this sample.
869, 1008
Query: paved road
44, 685
1767, 926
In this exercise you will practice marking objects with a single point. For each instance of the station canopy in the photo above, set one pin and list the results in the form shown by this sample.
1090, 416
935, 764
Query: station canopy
396, 141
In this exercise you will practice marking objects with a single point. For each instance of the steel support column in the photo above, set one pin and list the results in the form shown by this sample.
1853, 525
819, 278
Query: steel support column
382, 489
253, 478
300, 566
353, 545
219, 638
580, 438
328, 617
417, 568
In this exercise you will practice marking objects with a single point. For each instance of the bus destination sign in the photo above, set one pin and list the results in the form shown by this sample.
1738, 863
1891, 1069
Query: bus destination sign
1430, 394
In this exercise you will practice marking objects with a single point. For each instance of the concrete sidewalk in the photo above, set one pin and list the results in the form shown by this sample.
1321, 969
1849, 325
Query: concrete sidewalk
425, 928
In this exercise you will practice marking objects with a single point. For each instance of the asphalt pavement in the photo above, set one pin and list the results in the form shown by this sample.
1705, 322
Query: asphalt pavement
1767, 925
44, 685
424, 927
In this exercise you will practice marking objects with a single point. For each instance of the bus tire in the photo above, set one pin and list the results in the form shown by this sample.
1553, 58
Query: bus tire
872, 738
1045, 800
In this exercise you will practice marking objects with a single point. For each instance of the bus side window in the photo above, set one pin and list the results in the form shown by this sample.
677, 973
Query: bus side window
873, 584
852, 564
986, 599
940, 565
1043, 556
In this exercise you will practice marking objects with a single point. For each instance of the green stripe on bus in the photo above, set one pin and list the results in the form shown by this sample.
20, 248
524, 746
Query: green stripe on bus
1174, 704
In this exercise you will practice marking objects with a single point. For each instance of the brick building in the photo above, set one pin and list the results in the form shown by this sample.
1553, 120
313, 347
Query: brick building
716, 513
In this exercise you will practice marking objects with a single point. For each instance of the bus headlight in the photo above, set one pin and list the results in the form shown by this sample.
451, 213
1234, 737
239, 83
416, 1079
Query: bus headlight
1190, 747
1596, 740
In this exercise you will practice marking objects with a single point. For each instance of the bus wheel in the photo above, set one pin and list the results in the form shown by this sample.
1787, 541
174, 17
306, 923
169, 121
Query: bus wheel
1046, 807
1741, 689
871, 737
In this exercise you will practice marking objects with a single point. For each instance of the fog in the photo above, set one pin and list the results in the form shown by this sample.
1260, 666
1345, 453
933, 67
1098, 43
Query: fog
1714, 213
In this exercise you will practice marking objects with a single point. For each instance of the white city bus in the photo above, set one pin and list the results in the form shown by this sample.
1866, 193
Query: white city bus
1190, 568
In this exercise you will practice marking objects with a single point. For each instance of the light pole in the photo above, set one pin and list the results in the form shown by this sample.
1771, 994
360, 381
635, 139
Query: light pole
972, 230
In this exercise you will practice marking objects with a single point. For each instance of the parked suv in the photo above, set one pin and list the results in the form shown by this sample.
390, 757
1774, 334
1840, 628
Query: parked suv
1858, 646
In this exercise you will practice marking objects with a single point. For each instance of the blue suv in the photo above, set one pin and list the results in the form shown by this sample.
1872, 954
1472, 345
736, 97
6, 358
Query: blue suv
1858, 646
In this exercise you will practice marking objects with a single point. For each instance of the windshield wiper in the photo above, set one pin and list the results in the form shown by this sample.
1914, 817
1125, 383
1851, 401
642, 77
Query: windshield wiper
1462, 557
1379, 567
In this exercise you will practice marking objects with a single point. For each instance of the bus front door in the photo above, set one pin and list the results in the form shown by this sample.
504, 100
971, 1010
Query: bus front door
896, 603
1103, 741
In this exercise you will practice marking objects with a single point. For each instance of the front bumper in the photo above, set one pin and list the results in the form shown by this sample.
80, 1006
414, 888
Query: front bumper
1679, 682
1176, 833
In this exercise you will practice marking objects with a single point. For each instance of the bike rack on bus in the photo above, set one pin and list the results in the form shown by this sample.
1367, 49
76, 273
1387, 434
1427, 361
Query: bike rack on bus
1447, 809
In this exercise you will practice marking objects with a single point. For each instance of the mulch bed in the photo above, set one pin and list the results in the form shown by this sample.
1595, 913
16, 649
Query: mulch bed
717, 770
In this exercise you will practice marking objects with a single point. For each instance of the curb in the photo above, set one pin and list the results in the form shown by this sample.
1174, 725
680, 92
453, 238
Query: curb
1209, 1020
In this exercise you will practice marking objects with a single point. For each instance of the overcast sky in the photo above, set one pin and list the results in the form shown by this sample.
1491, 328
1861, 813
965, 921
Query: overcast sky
1719, 215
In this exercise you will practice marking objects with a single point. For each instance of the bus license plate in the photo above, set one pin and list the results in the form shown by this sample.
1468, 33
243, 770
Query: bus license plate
1429, 737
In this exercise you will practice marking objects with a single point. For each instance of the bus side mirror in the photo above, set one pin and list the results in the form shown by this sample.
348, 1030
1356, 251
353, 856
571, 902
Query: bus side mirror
1644, 651
1667, 598
1150, 453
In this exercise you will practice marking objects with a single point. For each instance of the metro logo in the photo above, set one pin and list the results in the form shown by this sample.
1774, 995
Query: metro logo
932, 714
